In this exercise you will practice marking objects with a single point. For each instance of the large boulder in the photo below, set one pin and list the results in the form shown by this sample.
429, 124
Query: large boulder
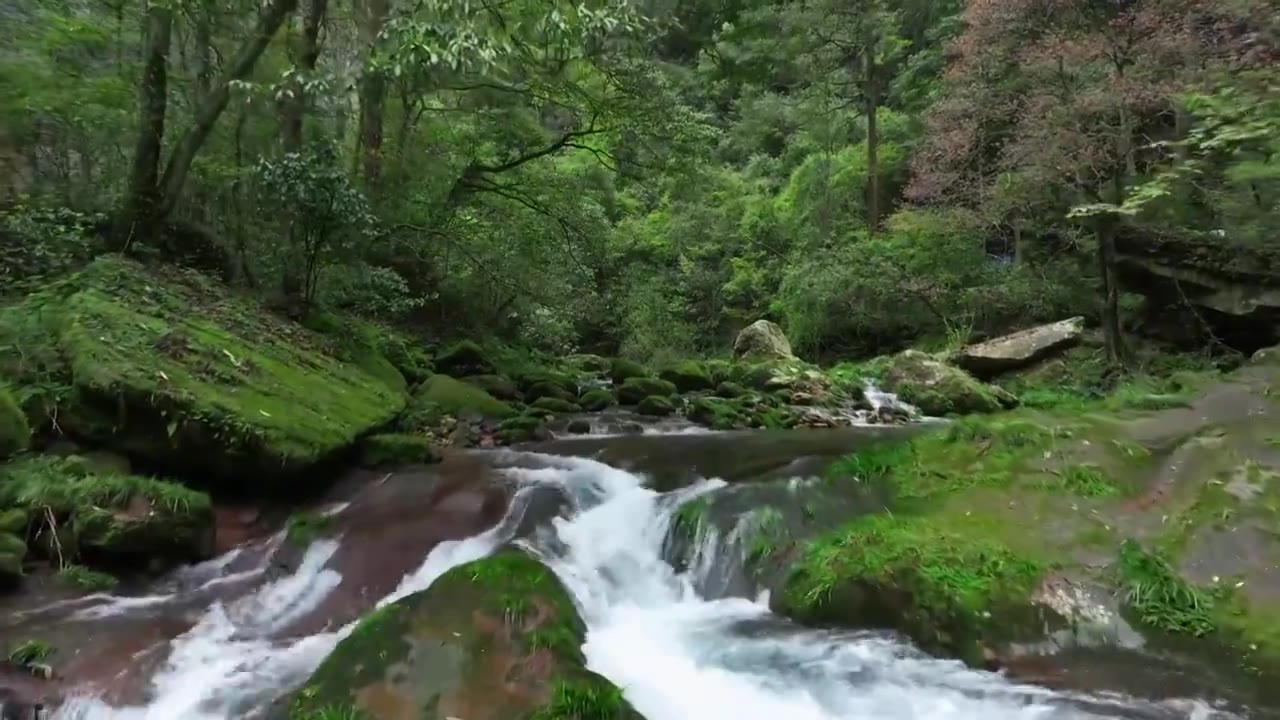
635, 390
441, 397
107, 517
990, 358
169, 367
762, 340
939, 389
494, 639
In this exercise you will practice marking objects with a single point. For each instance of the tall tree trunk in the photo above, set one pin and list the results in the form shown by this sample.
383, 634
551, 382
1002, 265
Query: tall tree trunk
140, 214
211, 106
293, 282
373, 92
1109, 292
307, 54
872, 92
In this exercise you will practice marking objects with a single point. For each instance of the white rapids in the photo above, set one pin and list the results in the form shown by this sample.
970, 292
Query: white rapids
676, 654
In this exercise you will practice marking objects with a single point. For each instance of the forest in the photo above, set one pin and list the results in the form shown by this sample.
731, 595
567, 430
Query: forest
646, 177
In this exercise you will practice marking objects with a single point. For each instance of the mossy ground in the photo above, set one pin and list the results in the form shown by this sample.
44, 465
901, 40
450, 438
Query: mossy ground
169, 366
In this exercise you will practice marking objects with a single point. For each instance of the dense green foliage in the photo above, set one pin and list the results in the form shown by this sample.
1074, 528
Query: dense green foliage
644, 178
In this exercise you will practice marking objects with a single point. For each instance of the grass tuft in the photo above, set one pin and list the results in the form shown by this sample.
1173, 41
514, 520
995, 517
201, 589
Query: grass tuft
82, 578
583, 701
1160, 598
30, 652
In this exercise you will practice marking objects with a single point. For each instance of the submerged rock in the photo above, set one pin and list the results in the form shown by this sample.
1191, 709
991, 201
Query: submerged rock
495, 639
762, 340
166, 366
1021, 348
939, 389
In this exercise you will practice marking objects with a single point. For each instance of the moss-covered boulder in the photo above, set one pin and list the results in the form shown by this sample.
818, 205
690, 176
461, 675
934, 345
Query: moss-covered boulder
622, 370
717, 413
495, 639
555, 406
656, 406
109, 518
170, 367
442, 396
762, 340
730, 390
499, 386
689, 376
392, 449
547, 390
940, 389
596, 399
15, 434
587, 363
463, 358
521, 428
636, 389
543, 382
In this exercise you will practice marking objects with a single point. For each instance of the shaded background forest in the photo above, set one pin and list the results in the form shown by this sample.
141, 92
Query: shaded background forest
648, 177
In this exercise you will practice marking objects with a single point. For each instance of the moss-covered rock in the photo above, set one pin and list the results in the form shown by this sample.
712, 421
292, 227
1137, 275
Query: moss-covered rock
596, 399
499, 386
15, 434
636, 389
587, 363
168, 366
622, 370
391, 449
111, 518
656, 406
12, 552
688, 376
498, 637
940, 389
463, 358
543, 382
361, 343
521, 428
442, 396
556, 406
730, 390
717, 413
542, 390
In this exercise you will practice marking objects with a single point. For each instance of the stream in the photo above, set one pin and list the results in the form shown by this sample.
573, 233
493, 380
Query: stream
226, 638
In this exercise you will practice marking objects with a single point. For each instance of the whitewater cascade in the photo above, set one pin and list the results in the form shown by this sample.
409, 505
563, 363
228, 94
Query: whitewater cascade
676, 654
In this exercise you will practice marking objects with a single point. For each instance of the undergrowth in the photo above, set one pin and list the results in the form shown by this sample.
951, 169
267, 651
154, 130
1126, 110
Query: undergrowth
83, 578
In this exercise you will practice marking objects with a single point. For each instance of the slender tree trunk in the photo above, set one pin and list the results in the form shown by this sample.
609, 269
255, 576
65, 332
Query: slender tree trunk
373, 92
1109, 292
293, 284
872, 92
211, 106
139, 216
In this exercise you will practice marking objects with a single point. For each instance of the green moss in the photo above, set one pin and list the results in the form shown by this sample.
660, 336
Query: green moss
940, 586
442, 395
390, 449
12, 553
593, 699
565, 383
768, 533
499, 386
115, 515
328, 712
596, 400
636, 389
556, 406
656, 406
716, 413
730, 390
756, 376
15, 434
303, 528
464, 358
518, 429
82, 578
553, 391
360, 343
622, 370
167, 365
1086, 481
13, 521
688, 376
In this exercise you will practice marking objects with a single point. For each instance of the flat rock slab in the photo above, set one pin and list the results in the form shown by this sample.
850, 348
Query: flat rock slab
1021, 348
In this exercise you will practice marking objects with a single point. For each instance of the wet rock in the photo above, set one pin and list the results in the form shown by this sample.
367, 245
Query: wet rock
1020, 349
555, 406
172, 369
490, 640
762, 340
939, 389
579, 426
518, 429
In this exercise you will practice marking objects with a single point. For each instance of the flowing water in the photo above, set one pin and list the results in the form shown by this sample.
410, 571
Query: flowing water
679, 649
